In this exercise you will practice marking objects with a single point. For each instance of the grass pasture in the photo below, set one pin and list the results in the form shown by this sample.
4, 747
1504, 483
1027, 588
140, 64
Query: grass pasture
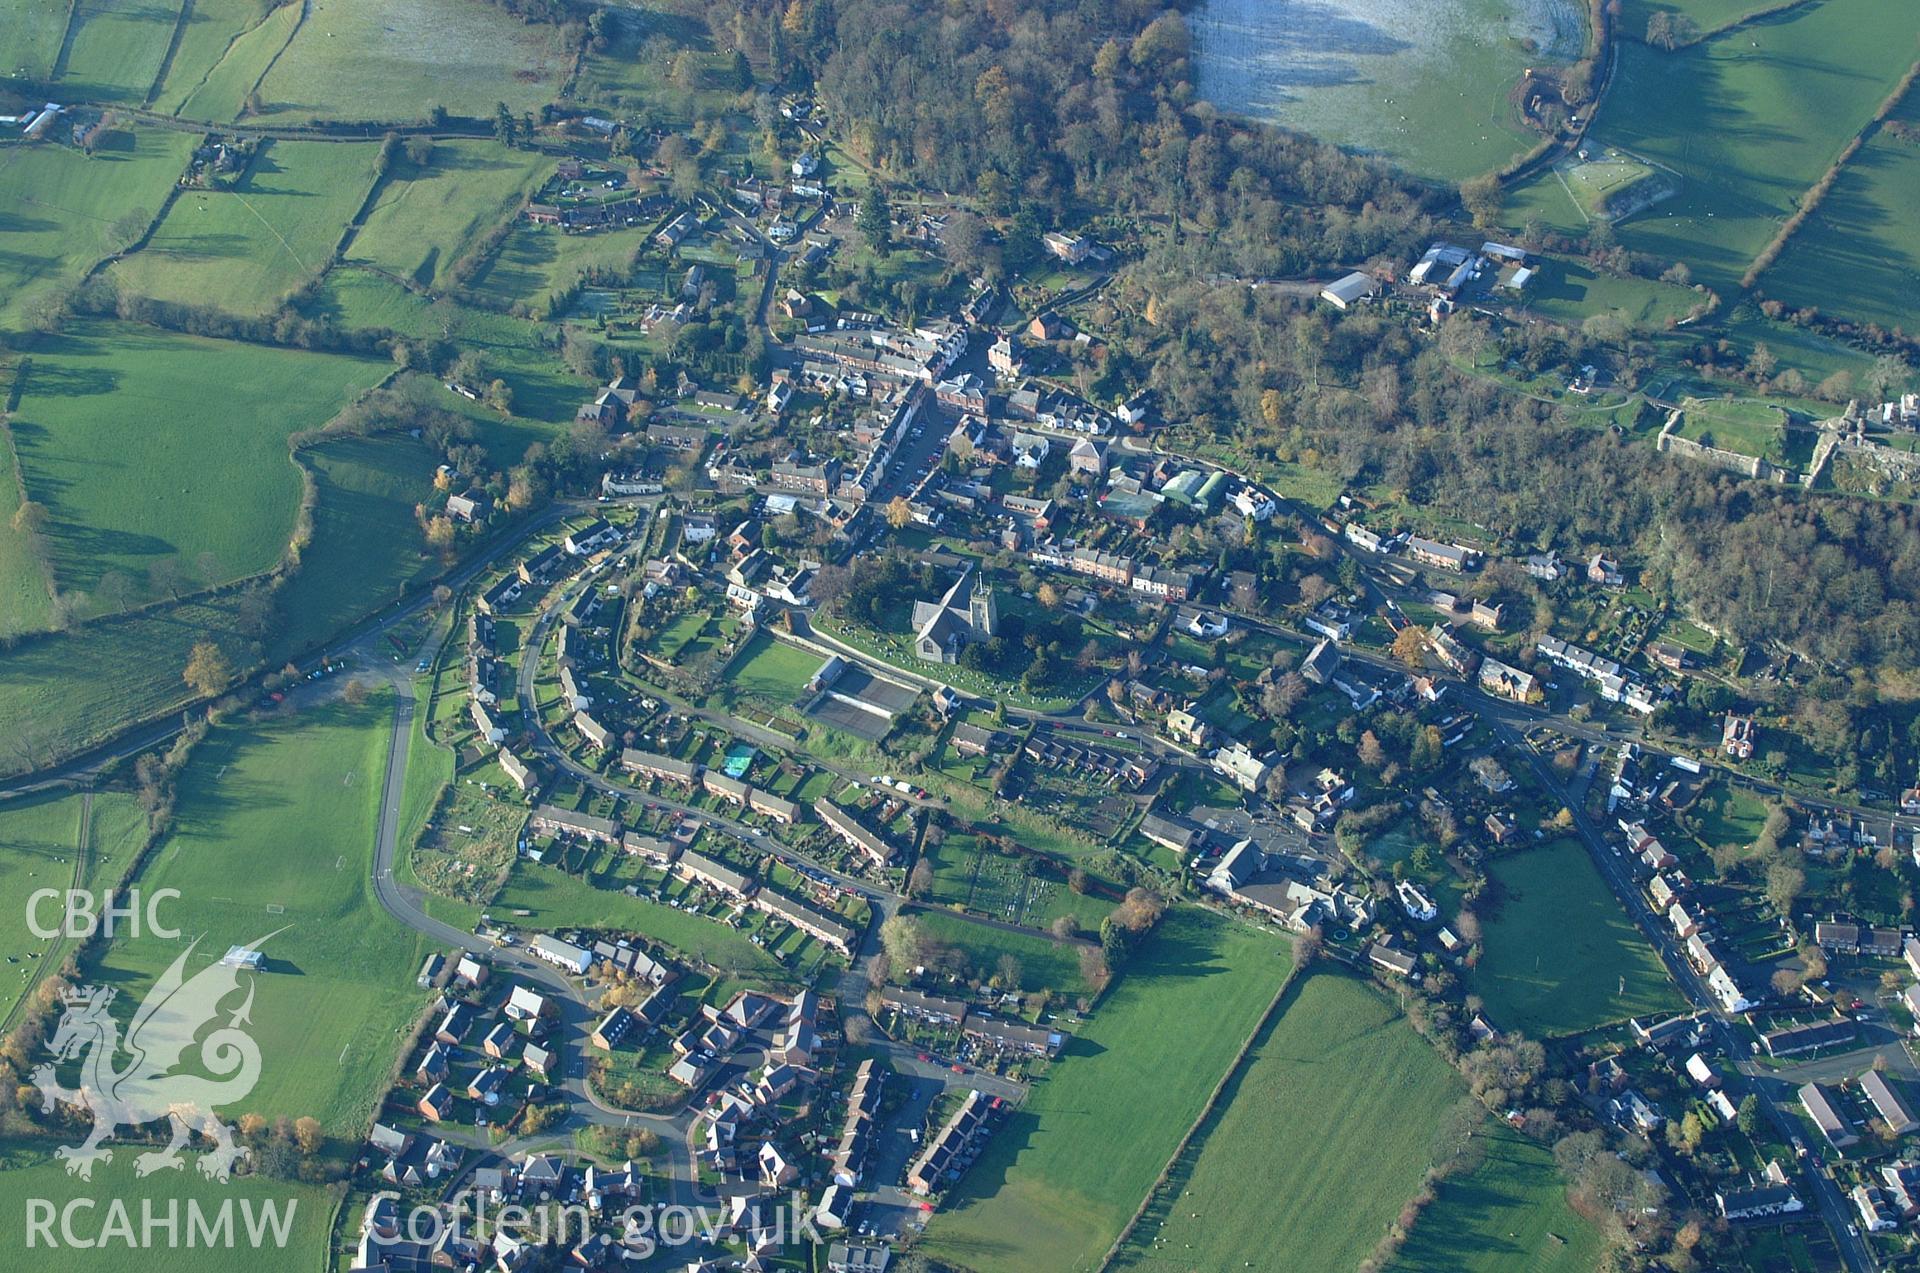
424, 217
361, 299
1054, 1187
206, 36
538, 260
116, 437
1858, 256
58, 207
366, 546
61, 693
39, 841
1568, 291
1425, 85
115, 49
1508, 1214
1768, 107
1560, 947
221, 92
30, 36
244, 249
557, 900
1312, 1139
394, 60
26, 605
282, 815
28, 1170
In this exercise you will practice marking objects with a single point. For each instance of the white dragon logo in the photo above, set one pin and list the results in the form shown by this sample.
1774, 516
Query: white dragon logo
163, 1029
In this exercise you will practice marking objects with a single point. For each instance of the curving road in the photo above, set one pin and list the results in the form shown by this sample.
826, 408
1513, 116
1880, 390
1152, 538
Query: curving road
577, 1017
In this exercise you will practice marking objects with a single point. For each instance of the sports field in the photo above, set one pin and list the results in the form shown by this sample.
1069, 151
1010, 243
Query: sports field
274, 840
243, 250
1312, 1142
773, 670
1423, 82
140, 471
1509, 1214
28, 1170
394, 60
1055, 1186
1768, 106
61, 210
1858, 256
1560, 949
424, 217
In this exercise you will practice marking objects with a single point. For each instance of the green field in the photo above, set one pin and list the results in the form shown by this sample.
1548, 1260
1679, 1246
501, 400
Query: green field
274, 834
1426, 86
366, 545
1751, 428
1560, 946
28, 1170
59, 208
26, 605
538, 260
1313, 1140
211, 28
558, 901
1708, 15
62, 693
243, 250
1509, 1214
773, 670
116, 438
1045, 964
30, 36
1570, 292
1858, 257
424, 218
394, 60
222, 94
39, 840
1767, 108
356, 298
1055, 1186
115, 48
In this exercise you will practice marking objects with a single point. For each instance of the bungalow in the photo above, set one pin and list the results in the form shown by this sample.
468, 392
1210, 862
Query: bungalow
1875, 1215
525, 1004
1832, 1123
1887, 1101
590, 538
1176, 834
1398, 962
1754, 1204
